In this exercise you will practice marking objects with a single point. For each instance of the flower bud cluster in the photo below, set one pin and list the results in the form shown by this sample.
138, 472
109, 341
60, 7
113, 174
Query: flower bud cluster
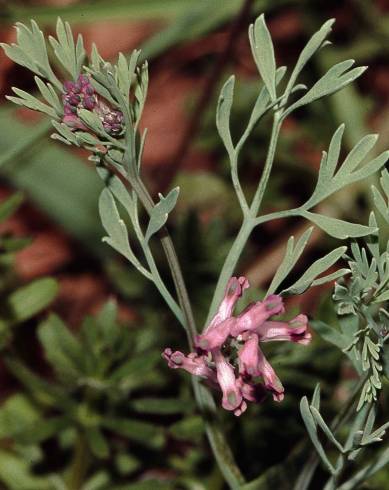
82, 95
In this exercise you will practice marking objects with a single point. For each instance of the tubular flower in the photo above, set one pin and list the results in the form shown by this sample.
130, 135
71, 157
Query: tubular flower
228, 354
82, 95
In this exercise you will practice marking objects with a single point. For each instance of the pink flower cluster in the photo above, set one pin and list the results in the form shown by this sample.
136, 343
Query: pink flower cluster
82, 95
228, 353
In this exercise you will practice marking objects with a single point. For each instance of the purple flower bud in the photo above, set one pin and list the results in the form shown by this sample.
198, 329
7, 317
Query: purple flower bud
89, 103
74, 99
68, 86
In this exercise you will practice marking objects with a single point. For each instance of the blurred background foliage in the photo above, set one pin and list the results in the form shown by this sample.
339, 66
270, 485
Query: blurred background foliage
86, 401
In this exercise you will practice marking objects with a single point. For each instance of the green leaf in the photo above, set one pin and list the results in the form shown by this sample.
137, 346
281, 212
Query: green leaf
292, 254
263, 53
189, 428
50, 95
330, 334
324, 427
127, 463
159, 213
71, 56
160, 406
317, 268
366, 472
382, 297
16, 474
223, 112
97, 442
311, 428
144, 433
328, 183
27, 301
16, 414
30, 51
10, 205
337, 77
43, 392
380, 203
62, 349
116, 229
313, 45
92, 120
338, 228
357, 154
28, 100
316, 397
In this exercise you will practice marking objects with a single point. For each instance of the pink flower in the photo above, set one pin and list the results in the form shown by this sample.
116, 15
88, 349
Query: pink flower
193, 363
295, 330
229, 356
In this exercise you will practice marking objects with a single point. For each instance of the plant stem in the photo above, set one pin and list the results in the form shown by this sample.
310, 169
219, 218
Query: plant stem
80, 464
249, 221
230, 264
257, 201
204, 399
157, 280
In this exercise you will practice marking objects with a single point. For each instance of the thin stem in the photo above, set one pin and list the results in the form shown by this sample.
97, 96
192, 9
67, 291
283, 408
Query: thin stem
230, 264
257, 201
80, 464
249, 221
236, 183
157, 280
204, 399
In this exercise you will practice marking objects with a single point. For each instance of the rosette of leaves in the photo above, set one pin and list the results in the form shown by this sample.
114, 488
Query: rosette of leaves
95, 406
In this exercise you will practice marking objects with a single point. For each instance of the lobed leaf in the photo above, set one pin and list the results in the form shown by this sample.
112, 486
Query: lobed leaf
317, 268
312, 432
263, 53
160, 212
71, 56
312, 46
27, 100
338, 228
223, 112
337, 77
292, 254
116, 228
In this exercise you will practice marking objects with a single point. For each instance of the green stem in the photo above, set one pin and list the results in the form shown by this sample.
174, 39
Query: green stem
257, 201
80, 464
157, 280
236, 183
230, 264
204, 399
249, 221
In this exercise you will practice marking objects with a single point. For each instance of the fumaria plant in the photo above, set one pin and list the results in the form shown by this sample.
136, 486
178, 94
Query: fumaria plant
98, 106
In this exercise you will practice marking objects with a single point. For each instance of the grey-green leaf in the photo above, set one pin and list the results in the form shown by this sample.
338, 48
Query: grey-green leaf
338, 228
317, 268
116, 228
312, 431
160, 212
309, 50
292, 254
223, 112
263, 53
